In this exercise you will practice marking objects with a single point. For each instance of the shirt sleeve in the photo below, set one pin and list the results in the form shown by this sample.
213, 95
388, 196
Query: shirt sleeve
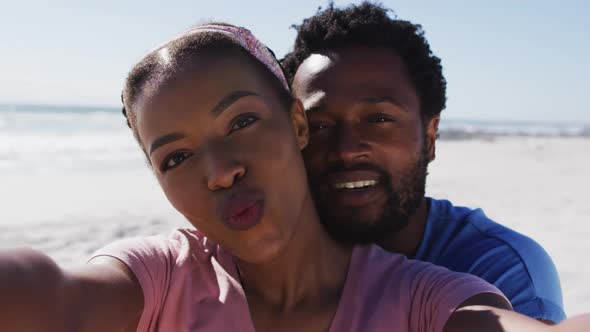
437, 292
518, 266
150, 260
466, 240
529, 279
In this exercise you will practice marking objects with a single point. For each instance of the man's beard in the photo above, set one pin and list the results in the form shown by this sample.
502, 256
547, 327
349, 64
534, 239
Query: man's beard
404, 196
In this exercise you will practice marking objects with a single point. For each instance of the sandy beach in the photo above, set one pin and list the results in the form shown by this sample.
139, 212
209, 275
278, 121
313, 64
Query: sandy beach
534, 185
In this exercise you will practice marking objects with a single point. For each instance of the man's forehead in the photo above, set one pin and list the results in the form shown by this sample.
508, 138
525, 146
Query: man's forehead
352, 65
316, 63
314, 99
309, 69
351, 75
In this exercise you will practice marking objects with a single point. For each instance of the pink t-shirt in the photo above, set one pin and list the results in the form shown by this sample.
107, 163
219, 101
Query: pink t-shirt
191, 284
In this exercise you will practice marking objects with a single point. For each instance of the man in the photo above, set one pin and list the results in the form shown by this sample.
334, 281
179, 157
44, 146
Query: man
373, 94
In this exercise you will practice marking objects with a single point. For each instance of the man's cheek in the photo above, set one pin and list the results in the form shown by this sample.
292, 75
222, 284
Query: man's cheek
312, 162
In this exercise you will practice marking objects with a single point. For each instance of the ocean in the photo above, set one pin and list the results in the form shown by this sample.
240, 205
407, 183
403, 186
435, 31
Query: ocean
72, 163
37, 138
41, 138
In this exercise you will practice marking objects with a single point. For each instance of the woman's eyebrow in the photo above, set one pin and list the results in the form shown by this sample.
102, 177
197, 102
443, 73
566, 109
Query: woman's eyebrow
223, 104
163, 140
231, 98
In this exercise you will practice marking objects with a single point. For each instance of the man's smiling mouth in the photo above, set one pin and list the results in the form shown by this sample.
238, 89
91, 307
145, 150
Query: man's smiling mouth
355, 184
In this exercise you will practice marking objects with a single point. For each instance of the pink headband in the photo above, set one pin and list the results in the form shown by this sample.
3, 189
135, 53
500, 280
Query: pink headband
247, 41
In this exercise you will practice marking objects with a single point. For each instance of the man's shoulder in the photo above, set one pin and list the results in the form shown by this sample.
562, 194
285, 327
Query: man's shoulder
462, 229
466, 240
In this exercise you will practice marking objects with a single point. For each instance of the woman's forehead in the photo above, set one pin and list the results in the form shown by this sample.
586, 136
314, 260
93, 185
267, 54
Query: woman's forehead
204, 82
196, 94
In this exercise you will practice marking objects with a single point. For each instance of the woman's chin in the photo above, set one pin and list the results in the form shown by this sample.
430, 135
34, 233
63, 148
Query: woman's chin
262, 250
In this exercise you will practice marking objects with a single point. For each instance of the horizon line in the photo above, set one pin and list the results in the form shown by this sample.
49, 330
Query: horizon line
5, 105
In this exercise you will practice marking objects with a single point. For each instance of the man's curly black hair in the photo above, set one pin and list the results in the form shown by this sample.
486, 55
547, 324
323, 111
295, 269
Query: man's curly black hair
369, 25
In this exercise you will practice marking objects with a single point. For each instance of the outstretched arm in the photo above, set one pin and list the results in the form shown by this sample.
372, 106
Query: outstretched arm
485, 313
37, 295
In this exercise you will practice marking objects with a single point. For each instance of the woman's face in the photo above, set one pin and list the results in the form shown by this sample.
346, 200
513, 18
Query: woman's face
227, 154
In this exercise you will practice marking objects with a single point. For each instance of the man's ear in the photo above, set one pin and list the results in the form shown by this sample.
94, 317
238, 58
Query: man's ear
299, 121
431, 136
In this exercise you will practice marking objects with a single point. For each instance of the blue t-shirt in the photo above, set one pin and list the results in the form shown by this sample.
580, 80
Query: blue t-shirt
465, 240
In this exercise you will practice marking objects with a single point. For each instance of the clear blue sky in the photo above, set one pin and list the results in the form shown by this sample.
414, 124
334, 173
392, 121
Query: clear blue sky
504, 60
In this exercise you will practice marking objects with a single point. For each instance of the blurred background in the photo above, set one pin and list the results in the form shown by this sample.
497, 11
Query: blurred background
515, 137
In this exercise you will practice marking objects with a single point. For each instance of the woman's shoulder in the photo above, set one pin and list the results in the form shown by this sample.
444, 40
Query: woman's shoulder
385, 270
180, 273
381, 263
417, 292
179, 248
373, 257
189, 243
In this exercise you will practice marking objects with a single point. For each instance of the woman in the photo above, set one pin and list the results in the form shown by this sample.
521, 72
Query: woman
213, 114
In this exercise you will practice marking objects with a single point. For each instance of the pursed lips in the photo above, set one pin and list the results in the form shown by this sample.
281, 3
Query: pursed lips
243, 210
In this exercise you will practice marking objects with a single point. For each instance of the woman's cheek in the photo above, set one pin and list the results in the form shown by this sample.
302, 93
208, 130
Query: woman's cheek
278, 144
185, 195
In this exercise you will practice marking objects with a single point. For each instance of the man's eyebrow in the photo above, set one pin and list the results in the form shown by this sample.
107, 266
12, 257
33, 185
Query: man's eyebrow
163, 140
230, 99
382, 99
314, 109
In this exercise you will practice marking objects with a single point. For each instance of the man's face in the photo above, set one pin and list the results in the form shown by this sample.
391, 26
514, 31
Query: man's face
369, 148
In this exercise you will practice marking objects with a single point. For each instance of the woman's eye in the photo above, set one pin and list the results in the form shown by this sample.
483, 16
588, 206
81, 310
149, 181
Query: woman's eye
174, 160
243, 121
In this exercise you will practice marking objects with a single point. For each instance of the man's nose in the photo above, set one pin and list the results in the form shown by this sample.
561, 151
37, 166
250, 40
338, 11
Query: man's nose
223, 171
351, 144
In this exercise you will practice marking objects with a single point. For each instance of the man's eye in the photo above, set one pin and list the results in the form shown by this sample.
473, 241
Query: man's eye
380, 118
243, 121
174, 160
318, 126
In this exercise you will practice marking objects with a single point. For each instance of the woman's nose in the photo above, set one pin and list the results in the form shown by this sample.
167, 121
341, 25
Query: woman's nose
223, 171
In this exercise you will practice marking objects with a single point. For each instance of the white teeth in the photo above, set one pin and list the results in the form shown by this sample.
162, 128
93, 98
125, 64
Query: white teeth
355, 184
